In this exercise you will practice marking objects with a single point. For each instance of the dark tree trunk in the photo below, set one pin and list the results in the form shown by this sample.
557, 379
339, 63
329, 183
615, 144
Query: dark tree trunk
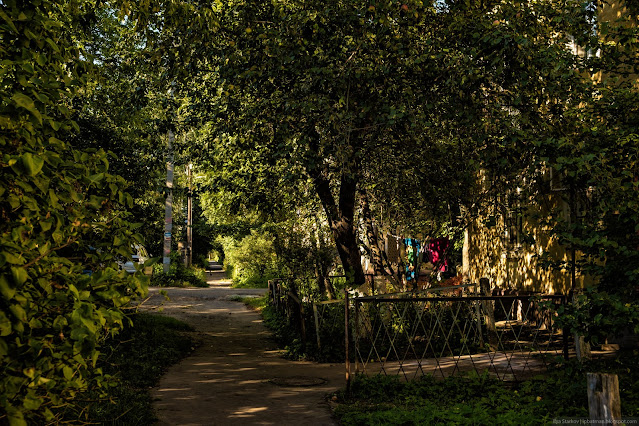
341, 220
321, 266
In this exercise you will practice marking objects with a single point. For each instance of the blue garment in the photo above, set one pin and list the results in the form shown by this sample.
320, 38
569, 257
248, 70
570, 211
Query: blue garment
413, 247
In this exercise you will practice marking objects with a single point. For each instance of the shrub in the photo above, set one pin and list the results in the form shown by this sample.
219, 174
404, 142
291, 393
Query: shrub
64, 222
182, 277
251, 262
178, 275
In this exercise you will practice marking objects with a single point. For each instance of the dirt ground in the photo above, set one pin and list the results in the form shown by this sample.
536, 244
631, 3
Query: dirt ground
236, 376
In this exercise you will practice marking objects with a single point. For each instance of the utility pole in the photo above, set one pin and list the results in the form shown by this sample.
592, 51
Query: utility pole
168, 204
189, 217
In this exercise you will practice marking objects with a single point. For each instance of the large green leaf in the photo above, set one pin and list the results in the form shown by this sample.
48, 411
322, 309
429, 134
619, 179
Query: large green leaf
32, 163
27, 103
8, 20
6, 289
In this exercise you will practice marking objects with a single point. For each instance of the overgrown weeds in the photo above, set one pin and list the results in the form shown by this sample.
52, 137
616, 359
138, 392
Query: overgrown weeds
289, 337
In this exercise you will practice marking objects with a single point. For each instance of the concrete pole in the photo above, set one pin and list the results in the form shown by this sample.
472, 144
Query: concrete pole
189, 218
168, 205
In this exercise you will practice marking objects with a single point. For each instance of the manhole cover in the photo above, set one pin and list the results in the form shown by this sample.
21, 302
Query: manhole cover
299, 381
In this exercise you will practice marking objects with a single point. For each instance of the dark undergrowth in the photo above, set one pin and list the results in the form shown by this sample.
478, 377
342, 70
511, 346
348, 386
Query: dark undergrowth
288, 335
482, 399
137, 357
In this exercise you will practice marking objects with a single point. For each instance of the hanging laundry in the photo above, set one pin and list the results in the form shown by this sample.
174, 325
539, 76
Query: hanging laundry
437, 253
413, 247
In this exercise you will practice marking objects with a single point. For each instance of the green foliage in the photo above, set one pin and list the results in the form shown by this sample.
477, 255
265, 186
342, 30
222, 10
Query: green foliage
289, 338
597, 315
182, 277
255, 303
64, 220
136, 358
480, 400
250, 261
118, 109
285, 333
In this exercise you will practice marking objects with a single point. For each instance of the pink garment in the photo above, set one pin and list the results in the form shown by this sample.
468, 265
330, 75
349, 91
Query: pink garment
437, 252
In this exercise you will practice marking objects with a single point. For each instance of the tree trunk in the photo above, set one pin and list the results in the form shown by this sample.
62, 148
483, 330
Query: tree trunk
341, 221
321, 266
604, 403
371, 236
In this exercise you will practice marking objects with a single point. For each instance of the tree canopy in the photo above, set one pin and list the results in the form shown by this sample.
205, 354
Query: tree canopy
309, 123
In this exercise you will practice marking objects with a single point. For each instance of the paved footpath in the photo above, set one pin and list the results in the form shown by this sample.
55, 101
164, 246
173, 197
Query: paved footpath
236, 376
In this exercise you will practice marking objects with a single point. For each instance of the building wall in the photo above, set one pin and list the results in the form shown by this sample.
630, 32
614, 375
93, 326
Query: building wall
618, 12
488, 253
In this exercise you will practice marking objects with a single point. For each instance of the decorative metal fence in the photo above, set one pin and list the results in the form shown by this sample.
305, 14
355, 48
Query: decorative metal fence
512, 337
328, 319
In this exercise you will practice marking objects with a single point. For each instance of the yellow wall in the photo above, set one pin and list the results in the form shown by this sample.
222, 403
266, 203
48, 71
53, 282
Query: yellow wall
488, 255
617, 12
485, 252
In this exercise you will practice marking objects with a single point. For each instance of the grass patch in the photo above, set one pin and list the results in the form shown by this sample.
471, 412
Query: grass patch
482, 399
254, 303
137, 357
252, 281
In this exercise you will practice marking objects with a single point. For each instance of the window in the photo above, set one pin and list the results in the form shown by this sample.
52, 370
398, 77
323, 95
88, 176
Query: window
513, 222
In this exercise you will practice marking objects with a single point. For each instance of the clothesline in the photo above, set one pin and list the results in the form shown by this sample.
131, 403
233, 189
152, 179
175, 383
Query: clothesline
417, 251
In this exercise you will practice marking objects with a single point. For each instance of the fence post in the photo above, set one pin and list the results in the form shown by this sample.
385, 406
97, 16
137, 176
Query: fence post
564, 332
478, 314
356, 324
317, 329
582, 348
302, 322
489, 314
300, 305
604, 403
346, 342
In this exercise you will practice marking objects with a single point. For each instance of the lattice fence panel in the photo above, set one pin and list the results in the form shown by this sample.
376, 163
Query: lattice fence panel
509, 336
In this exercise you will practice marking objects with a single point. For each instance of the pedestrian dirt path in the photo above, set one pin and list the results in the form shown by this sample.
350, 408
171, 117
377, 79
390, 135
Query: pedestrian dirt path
236, 376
